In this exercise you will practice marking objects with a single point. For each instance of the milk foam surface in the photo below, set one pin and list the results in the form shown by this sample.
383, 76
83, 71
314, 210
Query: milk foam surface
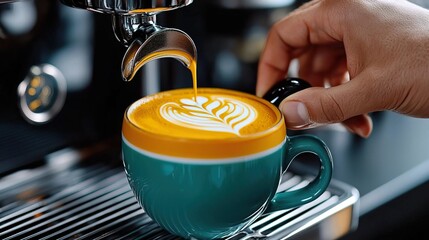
215, 114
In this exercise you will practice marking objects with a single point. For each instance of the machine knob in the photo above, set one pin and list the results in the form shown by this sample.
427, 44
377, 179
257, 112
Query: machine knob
42, 93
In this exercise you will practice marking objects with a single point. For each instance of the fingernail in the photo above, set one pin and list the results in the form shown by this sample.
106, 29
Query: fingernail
296, 114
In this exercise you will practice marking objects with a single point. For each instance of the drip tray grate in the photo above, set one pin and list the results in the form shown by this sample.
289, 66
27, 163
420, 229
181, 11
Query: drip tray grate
95, 202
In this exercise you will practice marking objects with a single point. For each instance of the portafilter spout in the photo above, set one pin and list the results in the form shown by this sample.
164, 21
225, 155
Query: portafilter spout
134, 25
167, 42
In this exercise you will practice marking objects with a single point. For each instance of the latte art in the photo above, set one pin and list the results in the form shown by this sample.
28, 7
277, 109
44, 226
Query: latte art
219, 114
215, 114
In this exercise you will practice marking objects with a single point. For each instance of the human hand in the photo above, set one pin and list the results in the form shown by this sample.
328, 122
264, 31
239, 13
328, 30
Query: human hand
374, 55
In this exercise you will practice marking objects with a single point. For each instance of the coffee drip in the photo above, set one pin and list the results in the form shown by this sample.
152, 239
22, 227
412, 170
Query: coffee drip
164, 43
134, 25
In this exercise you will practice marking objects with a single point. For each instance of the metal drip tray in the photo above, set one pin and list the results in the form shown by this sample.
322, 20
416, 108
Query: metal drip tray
95, 202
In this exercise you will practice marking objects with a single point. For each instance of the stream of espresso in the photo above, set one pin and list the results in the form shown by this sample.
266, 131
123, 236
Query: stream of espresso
193, 68
189, 61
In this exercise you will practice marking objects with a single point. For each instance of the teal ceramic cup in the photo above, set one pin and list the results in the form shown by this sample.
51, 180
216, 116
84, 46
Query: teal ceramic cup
213, 183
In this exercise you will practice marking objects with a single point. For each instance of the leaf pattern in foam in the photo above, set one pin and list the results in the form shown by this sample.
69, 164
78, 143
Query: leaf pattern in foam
218, 114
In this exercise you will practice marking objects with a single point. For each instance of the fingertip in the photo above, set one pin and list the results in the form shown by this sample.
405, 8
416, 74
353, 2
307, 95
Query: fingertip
260, 92
267, 77
361, 125
296, 114
261, 88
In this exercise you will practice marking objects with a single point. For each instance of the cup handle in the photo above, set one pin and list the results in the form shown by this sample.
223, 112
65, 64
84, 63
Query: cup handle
297, 145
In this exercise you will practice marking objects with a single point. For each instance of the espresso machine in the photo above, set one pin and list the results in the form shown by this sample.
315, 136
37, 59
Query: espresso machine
63, 70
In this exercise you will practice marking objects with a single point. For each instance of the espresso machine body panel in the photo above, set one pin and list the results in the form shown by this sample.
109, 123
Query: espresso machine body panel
60, 80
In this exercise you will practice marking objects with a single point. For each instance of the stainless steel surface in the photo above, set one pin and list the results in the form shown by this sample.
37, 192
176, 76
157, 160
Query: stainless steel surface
42, 93
253, 4
134, 25
95, 202
130, 18
127, 28
391, 165
166, 42
127, 7
9, 1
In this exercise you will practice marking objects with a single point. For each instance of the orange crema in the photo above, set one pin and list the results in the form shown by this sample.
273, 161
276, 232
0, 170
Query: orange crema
218, 124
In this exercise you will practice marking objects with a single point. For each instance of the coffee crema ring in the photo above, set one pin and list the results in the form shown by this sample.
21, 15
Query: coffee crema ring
216, 123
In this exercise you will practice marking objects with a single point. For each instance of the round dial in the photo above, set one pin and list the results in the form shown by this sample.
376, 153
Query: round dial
42, 93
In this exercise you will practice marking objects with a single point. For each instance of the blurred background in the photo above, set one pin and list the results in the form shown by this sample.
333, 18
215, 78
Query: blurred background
229, 36
390, 169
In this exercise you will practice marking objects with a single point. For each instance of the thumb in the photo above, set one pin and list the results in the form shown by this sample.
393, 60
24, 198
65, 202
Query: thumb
317, 106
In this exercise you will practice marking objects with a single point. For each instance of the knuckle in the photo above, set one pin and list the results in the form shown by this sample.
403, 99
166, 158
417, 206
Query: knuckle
331, 109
